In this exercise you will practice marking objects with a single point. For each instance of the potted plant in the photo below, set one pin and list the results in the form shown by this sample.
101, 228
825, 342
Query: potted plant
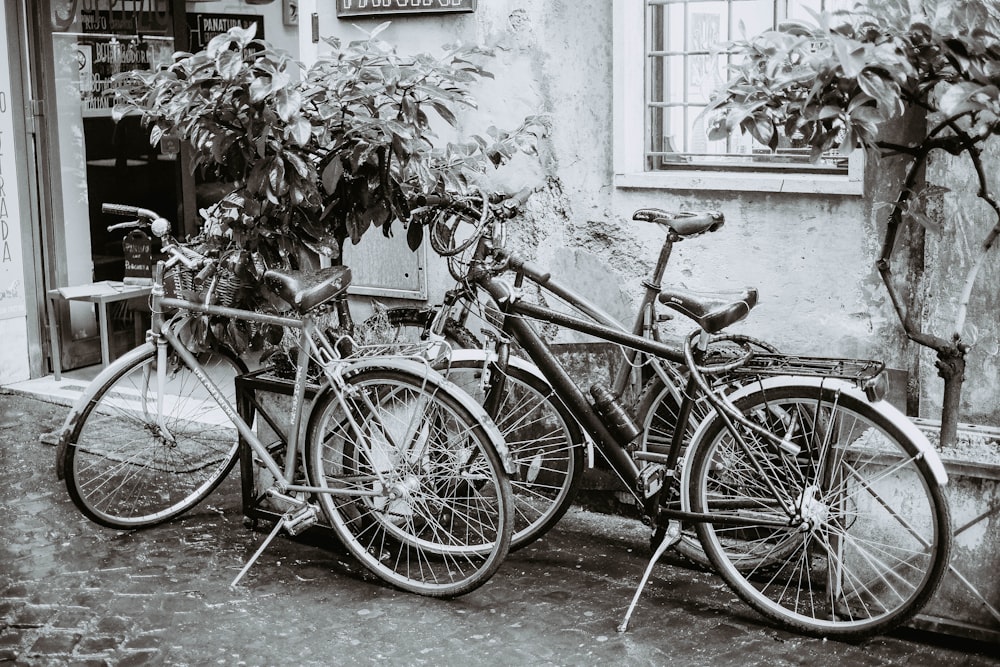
315, 155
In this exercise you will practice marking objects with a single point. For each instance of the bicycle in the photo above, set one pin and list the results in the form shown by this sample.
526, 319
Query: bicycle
542, 435
409, 472
795, 479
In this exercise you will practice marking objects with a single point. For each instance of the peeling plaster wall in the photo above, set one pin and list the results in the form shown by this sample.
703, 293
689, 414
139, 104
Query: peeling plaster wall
811, 256
950, 252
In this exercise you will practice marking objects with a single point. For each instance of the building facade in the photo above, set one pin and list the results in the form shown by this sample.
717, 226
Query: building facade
621, 81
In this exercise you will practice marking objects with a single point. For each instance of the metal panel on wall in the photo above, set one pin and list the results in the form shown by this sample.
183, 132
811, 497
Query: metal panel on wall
387, 267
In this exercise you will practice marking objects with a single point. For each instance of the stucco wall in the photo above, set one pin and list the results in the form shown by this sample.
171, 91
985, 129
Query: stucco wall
950, 252
811, 256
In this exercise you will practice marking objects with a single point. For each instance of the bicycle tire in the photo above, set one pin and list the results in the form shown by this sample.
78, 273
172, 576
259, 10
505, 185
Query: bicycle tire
867, 533
549, 459
422, 497
543, 441
121, 469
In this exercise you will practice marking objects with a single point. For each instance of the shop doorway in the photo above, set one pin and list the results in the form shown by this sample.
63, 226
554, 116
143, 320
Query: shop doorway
86, 158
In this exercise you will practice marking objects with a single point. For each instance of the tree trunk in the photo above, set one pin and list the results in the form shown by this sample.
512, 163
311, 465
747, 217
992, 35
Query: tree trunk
951, 367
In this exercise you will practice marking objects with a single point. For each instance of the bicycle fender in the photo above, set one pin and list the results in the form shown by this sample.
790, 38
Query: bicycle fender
441, 383
70, 430
904, 424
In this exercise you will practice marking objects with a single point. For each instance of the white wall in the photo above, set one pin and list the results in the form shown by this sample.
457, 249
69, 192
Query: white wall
812, 256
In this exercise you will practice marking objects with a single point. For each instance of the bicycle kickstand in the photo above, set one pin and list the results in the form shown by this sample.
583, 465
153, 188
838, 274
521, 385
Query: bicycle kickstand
294, 521
673, 535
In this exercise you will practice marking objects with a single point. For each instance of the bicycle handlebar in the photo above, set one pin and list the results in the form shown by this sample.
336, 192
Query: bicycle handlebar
158, 225
498, 201
125, 210
527, 267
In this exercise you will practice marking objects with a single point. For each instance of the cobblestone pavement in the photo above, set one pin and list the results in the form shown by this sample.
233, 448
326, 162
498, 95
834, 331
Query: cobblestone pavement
73, 593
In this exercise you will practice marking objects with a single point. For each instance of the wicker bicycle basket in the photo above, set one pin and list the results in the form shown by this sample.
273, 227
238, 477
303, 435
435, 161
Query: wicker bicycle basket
179, 282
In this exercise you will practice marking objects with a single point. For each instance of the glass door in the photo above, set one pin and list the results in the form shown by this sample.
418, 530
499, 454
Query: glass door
88, 159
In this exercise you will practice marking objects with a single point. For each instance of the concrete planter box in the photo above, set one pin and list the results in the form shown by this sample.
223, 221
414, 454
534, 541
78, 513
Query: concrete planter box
968, 602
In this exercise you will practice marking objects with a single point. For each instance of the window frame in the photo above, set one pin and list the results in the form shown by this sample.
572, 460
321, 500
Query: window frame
630, 171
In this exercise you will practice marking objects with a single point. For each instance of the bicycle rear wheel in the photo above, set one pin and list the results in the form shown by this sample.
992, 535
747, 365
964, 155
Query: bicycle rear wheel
539, 431
419, 494
137, 456
849, 529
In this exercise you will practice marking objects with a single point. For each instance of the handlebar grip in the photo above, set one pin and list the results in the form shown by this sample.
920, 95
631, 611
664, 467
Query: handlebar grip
511, 206
432, 200
126, 210
120, 209
530, 269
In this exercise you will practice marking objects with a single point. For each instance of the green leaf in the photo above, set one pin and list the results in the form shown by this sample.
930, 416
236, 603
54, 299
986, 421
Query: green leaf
229, 64
332, 174
961, 97
287, 102
414, 235
445, 113
301, 131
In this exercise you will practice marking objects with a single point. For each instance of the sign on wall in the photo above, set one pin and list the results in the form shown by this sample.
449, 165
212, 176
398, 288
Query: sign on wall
397, 7
114, 40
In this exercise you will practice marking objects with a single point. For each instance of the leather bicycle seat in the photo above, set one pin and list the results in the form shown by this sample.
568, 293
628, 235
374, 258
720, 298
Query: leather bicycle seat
713, 311
682, 223
305, 290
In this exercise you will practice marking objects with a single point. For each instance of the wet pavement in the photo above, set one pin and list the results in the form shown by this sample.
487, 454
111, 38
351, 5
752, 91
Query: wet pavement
74, 593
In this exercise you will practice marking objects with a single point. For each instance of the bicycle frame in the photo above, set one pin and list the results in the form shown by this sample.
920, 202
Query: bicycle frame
644, 324
514, 324
309, 346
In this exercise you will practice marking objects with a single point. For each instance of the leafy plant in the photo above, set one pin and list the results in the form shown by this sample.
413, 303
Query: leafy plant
322, 154
841, 82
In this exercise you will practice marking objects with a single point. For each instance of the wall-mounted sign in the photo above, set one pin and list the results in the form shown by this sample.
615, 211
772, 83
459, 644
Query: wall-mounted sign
203, 27
397, 7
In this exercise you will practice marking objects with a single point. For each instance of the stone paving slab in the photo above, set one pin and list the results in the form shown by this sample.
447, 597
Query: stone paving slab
74, 593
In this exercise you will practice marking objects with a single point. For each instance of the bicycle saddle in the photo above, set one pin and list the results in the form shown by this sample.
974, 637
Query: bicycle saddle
713, 311
304, 290
682, 223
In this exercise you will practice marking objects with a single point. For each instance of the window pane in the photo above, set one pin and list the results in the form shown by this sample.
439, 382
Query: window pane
686, 62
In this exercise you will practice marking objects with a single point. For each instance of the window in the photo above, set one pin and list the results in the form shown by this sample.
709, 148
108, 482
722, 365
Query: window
664, 80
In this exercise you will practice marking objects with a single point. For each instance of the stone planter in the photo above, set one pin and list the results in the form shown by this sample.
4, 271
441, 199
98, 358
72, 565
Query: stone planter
968, 602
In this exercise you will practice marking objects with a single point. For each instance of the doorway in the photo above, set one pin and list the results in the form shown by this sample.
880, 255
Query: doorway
86, 158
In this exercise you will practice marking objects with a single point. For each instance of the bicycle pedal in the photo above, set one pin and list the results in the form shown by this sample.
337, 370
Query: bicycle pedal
301, 519
651, 479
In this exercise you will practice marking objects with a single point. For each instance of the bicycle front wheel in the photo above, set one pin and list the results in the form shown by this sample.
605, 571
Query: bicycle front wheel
848, 529
416, 489
138, 454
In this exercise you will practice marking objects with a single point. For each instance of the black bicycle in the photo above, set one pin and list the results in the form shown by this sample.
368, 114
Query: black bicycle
818, 503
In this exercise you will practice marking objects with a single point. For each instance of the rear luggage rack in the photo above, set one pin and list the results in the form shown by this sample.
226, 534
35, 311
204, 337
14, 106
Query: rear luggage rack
857, 370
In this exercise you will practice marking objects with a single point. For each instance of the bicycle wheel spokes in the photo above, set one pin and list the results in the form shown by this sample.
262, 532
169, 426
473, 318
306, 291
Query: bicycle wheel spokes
865, 537
537, 433
418, 493
140, 456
